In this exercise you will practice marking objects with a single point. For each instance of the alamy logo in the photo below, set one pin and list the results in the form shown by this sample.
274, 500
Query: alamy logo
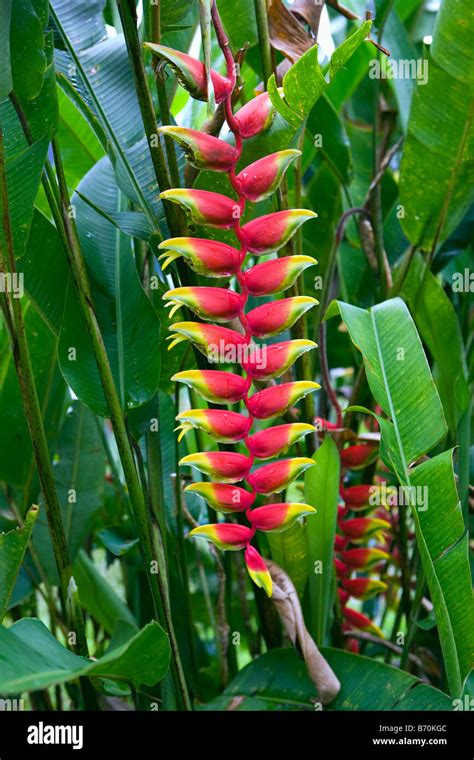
45, 734
403, 68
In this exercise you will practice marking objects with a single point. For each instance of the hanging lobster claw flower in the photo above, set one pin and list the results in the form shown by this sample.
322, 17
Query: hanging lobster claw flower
340, 543
358, 456
364, 559
258, 570
225, 536
360, 621
223, 497
191, 73
361, 497
343, 596
275, 275
274, 477
260, 179
276, 316
216, 304
270, 232
214, 385
219, 424
275, 440
227, 466
341, 569
275, 518
275, 401
202, 150
256, 115
277, 358
364, 588
207, 257
204, 207
215, 342
360, 529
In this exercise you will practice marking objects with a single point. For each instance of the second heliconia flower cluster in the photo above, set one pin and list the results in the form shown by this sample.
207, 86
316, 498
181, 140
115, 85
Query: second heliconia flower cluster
219, 306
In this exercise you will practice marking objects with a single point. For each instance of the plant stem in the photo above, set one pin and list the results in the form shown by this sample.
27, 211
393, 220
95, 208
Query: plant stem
149, 553
264, 39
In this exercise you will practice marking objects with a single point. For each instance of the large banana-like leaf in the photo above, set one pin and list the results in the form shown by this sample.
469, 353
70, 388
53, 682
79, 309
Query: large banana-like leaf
322, 492
278, 680
79, 475
401, 383
12, 550
437, 171
129, 324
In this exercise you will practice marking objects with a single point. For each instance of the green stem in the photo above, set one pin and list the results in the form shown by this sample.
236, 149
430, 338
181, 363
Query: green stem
150, 556
264, 39
420, 590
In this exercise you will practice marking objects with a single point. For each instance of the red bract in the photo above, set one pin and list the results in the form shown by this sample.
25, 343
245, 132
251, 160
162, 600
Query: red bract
223, 345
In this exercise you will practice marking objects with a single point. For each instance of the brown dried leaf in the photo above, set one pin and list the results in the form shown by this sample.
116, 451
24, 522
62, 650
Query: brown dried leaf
286, 32
288, 606
310, 11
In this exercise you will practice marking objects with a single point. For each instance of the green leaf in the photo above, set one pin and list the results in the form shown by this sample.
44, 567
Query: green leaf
6, 81
304, 83
438, 324
278, 680
437, 170
322, 492
27, 56
406, 393
97, 596
324, 121
33, 659
13, 546
79, 477
347, 49
128, 322
116, 542
290, 552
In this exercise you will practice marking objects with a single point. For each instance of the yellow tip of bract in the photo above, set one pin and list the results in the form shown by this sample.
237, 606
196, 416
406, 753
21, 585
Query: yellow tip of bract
262, 580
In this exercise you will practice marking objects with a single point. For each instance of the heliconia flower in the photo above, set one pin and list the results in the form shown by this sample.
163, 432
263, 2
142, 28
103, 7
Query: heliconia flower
274, 477
341, 569
360, 621
223, 497
275, 518
276, 316
275, 440
256, 115
227, 466
207, 257
358, 456
260, 179
270, 232
277, 358
275, 275
225, 536
276, 400
214, 385
363, 559
191, 73
258, 570
207, 338
340, 543
364, 588
204, 207
216, 304
359, 497
362, 528
202, 150
343, 596
219, 424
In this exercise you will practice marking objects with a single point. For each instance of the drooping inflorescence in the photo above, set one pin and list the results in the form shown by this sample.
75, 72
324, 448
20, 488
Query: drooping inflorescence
213, 259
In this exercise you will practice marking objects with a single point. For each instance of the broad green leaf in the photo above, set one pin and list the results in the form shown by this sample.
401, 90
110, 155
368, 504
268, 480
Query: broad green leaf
437, 171
128, 322
322, 492
33, 659
116, 541
401, 383
347, 49
17, 465
79, 475
290, 552
325, 127
80, 148
97, 596
395, 38
6, 81
304, 83
278, 680
438, 324
28, 59
13, 546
